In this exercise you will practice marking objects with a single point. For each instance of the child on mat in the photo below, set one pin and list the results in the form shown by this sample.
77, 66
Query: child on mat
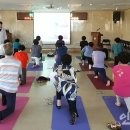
83, 43
98, 57
65, 82
87, 52
121, 86
35, 53
22, 56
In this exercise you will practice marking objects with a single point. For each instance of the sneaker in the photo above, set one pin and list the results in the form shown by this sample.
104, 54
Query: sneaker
73, 119
108, 83
96, 77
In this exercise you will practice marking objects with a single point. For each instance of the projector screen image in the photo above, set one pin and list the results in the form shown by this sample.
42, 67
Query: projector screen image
50, 25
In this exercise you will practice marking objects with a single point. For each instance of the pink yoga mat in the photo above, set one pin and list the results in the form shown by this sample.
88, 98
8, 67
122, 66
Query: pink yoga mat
9, 122
26, 88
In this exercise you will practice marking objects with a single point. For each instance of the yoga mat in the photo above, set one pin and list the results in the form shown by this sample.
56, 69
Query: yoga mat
9, 122
119, 113
98, 83
84, 67
26, 88
61, 117
30, 67
111, 65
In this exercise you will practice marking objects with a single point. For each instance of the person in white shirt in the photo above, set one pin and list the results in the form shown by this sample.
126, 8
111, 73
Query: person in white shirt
3, 35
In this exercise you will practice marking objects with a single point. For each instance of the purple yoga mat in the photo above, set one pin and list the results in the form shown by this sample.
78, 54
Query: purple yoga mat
119, 113
84, 67
30, 67
61, 117
9, 122
98, 83
26, 88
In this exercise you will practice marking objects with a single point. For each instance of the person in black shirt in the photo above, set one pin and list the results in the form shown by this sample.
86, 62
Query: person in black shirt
83, 43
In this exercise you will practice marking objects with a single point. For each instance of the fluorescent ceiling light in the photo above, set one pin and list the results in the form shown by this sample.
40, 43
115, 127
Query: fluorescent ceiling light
74, 5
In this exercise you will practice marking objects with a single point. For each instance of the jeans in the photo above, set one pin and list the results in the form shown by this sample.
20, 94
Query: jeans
102, 72
8, 99
23, 77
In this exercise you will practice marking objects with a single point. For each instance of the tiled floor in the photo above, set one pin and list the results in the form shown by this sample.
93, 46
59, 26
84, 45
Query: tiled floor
37, 114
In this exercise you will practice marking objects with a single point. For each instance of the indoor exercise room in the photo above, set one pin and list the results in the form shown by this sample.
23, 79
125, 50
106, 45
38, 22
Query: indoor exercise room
64, 65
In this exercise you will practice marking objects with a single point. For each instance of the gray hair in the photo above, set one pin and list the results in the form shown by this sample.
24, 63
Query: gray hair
8, 48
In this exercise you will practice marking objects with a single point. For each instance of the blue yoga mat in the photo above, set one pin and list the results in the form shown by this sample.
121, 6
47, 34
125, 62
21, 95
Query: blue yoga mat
30, 67
61, 117
119, 113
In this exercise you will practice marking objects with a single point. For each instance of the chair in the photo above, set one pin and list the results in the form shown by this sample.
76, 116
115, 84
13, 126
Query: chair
106, 44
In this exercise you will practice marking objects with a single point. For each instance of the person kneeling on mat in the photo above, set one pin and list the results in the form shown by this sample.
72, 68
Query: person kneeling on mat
65, 80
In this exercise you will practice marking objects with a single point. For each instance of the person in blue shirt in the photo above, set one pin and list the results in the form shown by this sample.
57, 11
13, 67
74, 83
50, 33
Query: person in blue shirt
117, 48
60, 41
59, 52
16, 45
87, 52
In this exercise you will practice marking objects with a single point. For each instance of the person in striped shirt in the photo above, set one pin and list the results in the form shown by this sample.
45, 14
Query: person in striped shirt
10, 70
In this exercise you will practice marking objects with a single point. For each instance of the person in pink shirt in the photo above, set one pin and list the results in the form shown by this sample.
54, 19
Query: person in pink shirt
121, 88
121, 74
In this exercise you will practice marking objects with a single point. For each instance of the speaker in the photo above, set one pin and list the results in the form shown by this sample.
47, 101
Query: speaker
116, 16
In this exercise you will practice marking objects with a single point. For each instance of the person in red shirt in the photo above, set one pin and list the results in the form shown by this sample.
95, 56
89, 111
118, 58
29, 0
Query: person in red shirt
22, 56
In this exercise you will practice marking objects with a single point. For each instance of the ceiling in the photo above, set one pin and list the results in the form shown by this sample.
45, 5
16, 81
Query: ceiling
63, 5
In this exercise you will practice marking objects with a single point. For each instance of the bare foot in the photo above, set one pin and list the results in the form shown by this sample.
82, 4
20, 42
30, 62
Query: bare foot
118, 104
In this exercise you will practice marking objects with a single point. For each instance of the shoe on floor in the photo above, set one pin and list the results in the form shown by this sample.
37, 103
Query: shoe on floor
114, 126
